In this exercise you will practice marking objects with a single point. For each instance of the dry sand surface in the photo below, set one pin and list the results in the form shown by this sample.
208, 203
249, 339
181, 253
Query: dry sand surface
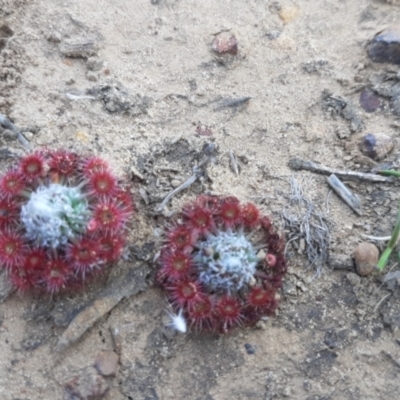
137, 83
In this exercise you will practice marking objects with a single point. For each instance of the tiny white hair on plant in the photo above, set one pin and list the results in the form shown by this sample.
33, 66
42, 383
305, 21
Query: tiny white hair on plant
177, 322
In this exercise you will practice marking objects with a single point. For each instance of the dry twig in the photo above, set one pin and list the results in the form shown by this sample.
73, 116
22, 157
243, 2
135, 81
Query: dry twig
234, 104
198, 171
345, 194
7, 124
299, 164
233, 162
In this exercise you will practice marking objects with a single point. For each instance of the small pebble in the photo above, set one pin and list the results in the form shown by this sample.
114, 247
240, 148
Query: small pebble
94, 64
261, 255
289, 13
54, 37
175, 183
261, 325
250, 349
274, 34
144, 196
107, 363
203, 130
9, 134
366, 257
343, 132
370, 101
135, 173
225, 43
376, 145
385, 46
353, 279
92, 76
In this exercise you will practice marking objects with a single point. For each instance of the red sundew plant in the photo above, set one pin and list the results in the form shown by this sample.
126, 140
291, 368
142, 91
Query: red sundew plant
221, 265
62, 219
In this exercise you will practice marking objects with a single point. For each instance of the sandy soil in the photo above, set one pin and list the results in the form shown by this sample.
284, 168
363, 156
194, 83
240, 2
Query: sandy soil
155, 81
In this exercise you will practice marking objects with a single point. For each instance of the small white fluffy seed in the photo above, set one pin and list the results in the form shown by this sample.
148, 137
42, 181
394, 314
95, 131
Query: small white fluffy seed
177, 322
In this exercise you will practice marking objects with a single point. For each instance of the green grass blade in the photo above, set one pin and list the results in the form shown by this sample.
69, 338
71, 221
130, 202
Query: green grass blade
392, 243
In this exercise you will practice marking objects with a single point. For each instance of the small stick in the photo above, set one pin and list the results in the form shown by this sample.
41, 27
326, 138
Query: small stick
232, 103
197, 173
380, 302
299, 164
345, 194
6, 123
377, 238
72, 96
116, 340
234, 163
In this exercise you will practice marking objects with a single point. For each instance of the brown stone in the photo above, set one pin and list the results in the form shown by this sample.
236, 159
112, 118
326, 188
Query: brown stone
376, 145
107, 363
366, 257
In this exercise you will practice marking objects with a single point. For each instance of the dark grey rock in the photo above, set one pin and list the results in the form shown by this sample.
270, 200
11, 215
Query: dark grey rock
385, 46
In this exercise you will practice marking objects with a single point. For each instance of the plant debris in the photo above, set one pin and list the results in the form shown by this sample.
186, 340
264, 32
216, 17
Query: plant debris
304, 221
345, 194
7, 124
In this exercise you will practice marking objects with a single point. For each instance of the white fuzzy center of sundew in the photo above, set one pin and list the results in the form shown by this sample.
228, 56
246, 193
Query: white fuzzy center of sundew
54, 214
226, 261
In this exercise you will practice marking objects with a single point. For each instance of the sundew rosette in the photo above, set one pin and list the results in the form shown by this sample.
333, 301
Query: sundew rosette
221, 264
62, 219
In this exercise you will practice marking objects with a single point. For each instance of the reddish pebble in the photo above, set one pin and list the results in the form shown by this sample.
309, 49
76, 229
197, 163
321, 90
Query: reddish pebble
204, 130
86, 385
107, 363
225, 43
